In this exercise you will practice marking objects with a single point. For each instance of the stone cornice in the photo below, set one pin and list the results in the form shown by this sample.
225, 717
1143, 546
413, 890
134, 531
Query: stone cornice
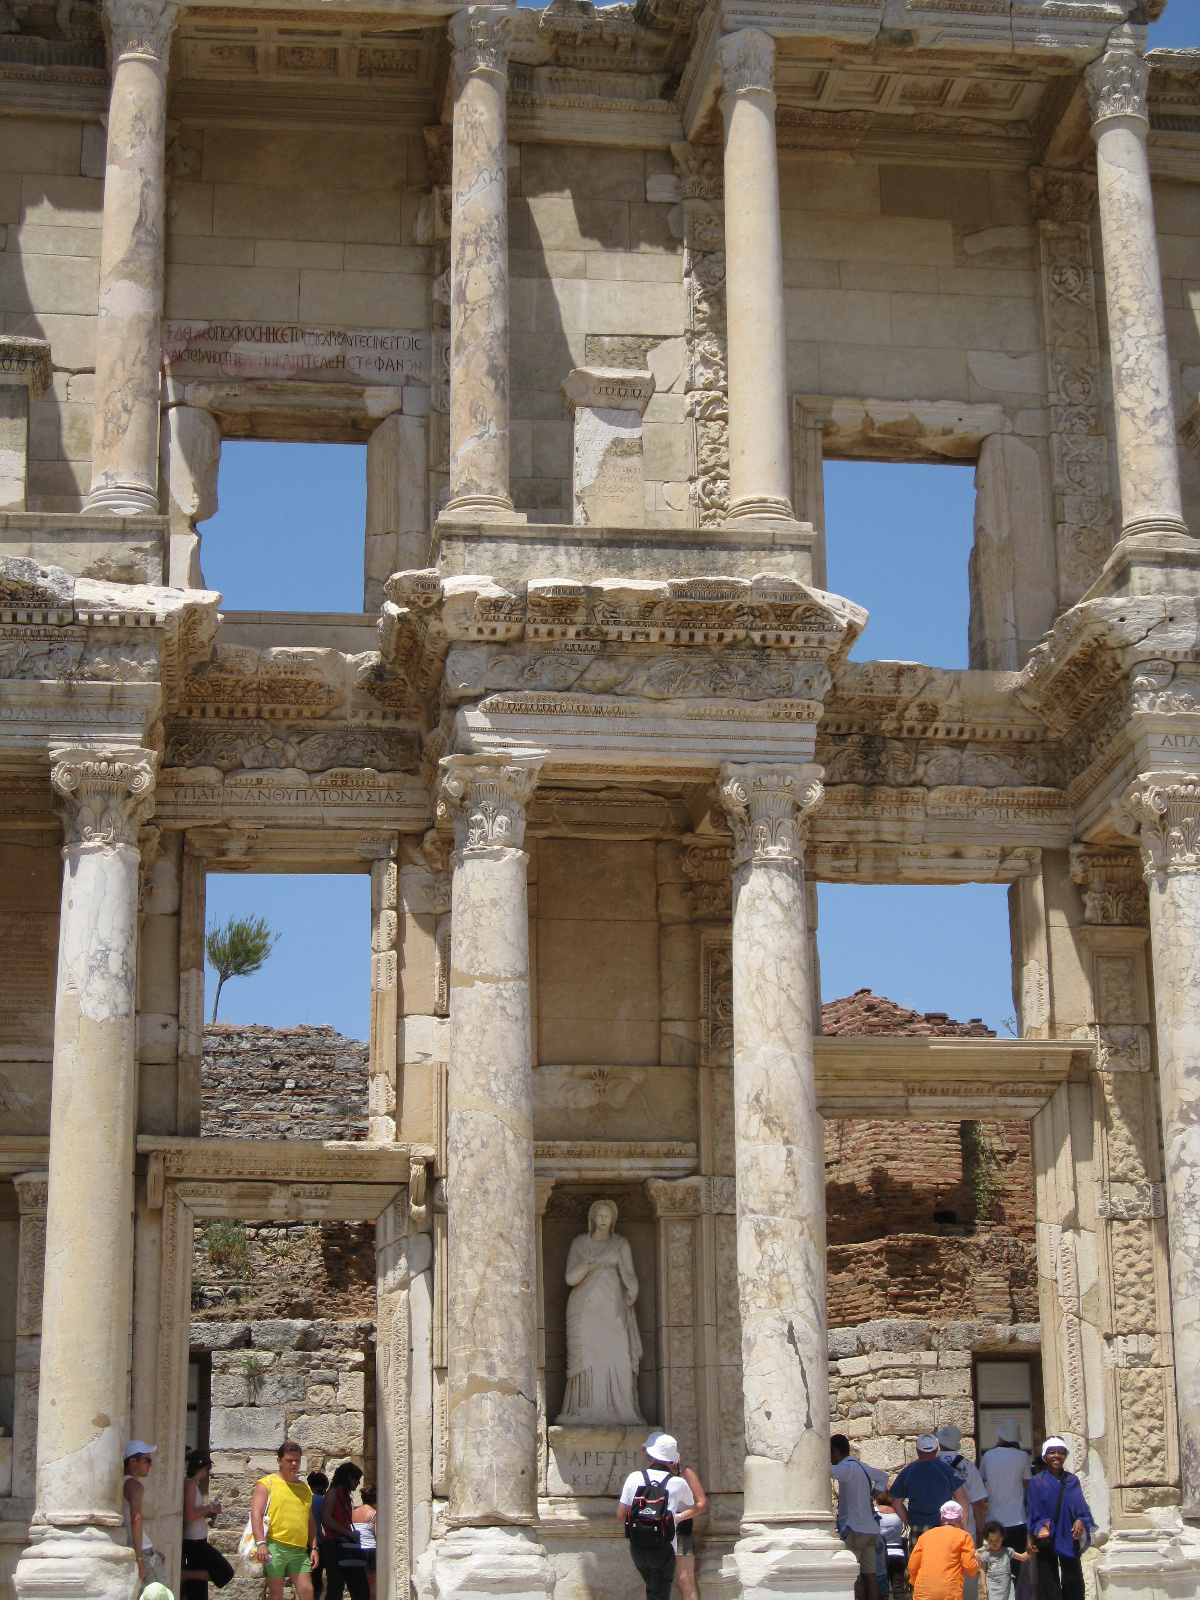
105, 795
767, 807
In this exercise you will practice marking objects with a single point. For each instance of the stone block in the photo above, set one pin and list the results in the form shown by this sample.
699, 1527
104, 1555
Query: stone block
959, 1412
39, 144
954, 1358
61, 202
192, 452
608, 478
338, 1433
218, 1335
158, 965
199, 292
592, 1460
6, 1467
282, 1334
158, 1038
907, 1416
882, 1452
853, 1366
897, 1335
326, 255
859, 1427
67, 285
14, 446
230, 1389
397, 498
72, 338
364, 299
247, 1427
567, 170
281, 1388
848, 316
894, 1389
843, 1344
350, 1391
847, 237
945, 1385
321, 1397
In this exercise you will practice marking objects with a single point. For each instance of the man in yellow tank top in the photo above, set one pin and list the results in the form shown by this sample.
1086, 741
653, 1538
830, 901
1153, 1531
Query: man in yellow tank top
287, 1546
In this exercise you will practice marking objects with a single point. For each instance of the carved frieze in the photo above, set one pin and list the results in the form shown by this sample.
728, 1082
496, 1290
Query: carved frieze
263, 746
872, 760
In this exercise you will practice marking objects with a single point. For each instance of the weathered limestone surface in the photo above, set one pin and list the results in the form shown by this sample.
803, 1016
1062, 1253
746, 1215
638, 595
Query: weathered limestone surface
608, 482
83, 1403
1146, 442
24, 379
129, 334
479, 313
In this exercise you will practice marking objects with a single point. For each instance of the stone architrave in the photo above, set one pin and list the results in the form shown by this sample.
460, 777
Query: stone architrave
1147, 459
479, 313
608, 479
129, 328
76, 1540
1162, 811
760, 461
31, 1257
788, 1543
492, 1300
24, 377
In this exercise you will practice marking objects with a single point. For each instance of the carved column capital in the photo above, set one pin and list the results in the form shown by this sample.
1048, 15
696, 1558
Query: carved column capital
1114, 889
31, 1190
747, 60
141, 28
1116, 83
709, 867
1058, 196
484, 799
480, 36
767, 807
105, 795
1162, 811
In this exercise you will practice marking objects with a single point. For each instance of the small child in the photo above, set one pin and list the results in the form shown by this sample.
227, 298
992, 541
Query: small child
995, 1562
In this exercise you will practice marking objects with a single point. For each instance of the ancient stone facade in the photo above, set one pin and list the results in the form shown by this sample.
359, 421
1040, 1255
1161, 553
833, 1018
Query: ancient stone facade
596, 770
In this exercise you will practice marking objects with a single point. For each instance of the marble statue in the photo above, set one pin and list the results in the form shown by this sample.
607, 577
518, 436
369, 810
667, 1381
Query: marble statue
604, 1347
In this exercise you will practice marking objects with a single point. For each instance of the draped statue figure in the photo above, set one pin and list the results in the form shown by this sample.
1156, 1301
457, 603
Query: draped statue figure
604, 1347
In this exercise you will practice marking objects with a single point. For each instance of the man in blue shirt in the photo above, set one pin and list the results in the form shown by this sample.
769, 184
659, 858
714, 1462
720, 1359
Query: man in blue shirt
926, 1483
1060, 1523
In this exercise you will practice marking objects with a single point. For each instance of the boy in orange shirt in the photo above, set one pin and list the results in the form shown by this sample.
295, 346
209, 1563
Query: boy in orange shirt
943, 1558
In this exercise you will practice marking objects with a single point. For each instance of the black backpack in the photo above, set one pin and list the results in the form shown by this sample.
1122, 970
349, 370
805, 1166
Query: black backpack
650, 1526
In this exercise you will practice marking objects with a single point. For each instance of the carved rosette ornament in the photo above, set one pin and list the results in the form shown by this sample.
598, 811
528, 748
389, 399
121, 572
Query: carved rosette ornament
141, 28
1162, 811
747, 61
105, 795
767, 809
484, 800
480, 36
1116, 84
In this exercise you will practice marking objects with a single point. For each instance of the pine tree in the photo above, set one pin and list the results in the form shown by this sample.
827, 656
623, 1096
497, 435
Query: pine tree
237, 950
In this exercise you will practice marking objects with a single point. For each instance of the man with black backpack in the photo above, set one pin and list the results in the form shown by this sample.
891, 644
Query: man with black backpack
650, 1502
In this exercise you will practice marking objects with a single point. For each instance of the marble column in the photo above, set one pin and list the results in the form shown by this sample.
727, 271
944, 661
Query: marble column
1147, 459
1162, 810
479, 361
760, 457
129, 329
787, 1542
492, 1276
77, 1544
31, 1257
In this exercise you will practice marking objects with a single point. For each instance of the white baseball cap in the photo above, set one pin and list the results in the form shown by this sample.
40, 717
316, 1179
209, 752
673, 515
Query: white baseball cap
662, 1447
927, 1442
139, 1447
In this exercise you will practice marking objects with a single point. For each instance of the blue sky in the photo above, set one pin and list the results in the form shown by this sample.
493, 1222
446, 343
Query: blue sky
289, 537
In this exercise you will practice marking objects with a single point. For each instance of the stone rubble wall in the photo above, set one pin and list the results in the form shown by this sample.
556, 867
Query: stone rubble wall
890, 1380
282, 1083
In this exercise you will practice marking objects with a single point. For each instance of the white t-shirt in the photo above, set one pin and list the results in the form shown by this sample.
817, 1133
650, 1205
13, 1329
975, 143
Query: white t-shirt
975, 1486
857, 1484
892, 1530
679, 1496
1006, 1471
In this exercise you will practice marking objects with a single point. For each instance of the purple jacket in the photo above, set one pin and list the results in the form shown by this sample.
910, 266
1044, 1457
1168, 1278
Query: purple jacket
1040, 1504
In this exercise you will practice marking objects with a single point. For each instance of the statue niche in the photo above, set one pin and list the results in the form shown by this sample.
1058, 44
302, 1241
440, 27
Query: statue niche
604, 1347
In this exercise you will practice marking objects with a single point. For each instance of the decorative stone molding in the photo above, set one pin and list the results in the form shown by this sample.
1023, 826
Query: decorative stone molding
484, 799
767, 808
1162, 811
1114, 890
1116, 84
695, 1196
747, 61
480, 36
708, 864
31, 1190
1061, 196
1189, 429
141, 28
706, 379
106, 794
25, 363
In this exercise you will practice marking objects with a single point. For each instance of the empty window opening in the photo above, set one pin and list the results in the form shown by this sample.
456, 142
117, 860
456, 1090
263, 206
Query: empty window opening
290, 531
297, 1028
898, 539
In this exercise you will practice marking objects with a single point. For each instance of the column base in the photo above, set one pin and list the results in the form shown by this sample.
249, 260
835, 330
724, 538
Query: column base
781, 1561
488, 1561
123, 500
64, 1563
1150, 1564
761, 508
479, 508
1157, 526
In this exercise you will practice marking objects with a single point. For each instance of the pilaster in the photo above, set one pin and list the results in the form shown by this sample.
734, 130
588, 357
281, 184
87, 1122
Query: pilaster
31, 1190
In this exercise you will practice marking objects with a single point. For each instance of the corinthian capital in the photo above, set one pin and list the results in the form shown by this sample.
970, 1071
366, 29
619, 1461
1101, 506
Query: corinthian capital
747, 61
1162, 812
105, 795
140, 28
484, 799
480, 36
767, 808
1116, 83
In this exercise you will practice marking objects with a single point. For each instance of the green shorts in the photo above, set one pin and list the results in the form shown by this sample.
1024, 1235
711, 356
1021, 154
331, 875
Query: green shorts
286, 1560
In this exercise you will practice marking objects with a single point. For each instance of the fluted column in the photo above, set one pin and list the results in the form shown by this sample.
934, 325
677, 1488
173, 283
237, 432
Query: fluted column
77, 1542
479, 359
1162, 811
31, 1259
760, 467
1147, 462
788, 1543
492, 1322
129, 329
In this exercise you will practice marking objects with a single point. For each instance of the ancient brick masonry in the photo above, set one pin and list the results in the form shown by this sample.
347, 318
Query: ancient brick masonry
282, 1083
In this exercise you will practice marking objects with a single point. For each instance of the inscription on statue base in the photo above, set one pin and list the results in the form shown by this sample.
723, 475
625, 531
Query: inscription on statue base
594, 1461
